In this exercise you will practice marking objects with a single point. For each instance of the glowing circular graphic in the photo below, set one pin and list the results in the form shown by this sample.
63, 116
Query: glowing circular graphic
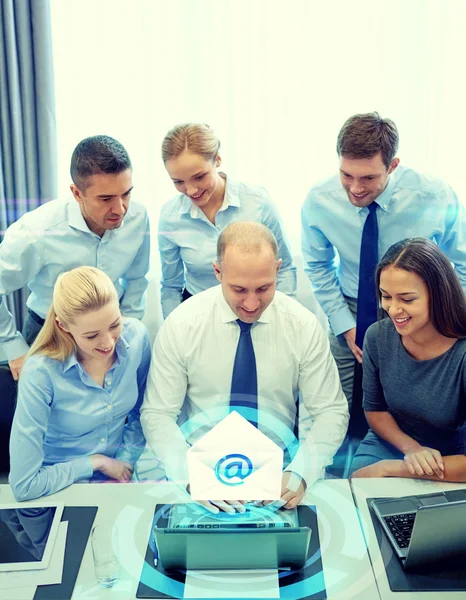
233, 469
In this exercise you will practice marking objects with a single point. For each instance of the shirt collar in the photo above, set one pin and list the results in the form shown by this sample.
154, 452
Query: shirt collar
121, 351
231, 199
384, 199
231, 192
228, 316
75, 217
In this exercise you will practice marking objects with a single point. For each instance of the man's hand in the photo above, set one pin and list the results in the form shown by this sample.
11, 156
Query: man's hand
289, 498
16, 366
424, 461
228, 506
350, 337
215, 506
115, 469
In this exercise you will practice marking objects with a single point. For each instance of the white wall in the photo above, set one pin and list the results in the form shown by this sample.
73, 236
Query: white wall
275, 79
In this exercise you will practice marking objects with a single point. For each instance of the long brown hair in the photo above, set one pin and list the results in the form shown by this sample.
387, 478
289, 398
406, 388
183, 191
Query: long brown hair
447, 302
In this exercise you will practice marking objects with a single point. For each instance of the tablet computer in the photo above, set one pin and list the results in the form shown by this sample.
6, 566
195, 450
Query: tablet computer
27, 535
189, 537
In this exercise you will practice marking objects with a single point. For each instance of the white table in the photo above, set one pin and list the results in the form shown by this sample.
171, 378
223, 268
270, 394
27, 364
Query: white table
347, 569
372, 488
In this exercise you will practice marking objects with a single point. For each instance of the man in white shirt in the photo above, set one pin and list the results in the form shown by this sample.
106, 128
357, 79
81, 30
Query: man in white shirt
195, 353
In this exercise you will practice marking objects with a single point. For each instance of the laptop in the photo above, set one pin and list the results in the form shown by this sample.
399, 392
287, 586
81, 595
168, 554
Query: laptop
425, 529
189, 537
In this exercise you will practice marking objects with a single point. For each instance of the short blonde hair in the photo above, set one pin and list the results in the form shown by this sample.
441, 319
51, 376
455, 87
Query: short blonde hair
197, 138
248, 236
76, 292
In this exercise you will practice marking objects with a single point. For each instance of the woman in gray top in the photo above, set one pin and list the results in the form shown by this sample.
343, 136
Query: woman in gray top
414, 367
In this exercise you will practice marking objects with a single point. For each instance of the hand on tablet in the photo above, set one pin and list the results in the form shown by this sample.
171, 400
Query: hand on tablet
228, 506
290, 498
215, 506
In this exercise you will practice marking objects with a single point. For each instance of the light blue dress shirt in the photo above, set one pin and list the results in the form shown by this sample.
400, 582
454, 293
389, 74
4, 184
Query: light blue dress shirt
412, 205
63, 416
54, 238
188, 240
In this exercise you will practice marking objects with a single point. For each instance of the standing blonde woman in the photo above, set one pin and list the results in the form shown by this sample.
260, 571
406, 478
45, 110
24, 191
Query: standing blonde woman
208, 201
80, 391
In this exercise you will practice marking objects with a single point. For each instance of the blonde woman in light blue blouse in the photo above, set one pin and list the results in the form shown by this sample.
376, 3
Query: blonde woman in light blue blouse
207, 202
80, 391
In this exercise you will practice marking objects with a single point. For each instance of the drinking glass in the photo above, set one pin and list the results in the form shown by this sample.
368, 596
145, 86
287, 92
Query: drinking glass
104, 540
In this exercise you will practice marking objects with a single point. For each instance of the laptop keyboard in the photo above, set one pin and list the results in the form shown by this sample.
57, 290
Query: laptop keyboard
401, 527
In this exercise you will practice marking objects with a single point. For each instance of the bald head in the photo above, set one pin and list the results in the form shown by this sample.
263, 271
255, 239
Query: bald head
248, 237
247, 267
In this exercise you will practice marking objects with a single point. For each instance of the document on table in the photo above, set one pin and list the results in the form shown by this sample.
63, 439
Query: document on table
258, 583
27, 580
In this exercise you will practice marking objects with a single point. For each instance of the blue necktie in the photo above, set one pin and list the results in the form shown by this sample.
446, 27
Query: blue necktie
244, 379
367, 296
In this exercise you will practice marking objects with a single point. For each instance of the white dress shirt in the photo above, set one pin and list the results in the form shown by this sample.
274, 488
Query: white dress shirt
192, 369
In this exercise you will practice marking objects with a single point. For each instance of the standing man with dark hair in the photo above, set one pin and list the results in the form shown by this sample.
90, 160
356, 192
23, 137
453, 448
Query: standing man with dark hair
98, 228
342, 241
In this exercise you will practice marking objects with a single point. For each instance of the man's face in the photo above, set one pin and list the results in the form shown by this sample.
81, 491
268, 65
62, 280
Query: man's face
248, 281
364, 179
105, 201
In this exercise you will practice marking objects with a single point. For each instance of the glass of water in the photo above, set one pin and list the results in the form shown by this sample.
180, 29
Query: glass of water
104, 540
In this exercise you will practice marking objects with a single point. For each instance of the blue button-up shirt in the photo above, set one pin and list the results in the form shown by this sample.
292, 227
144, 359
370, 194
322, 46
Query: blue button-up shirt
63, 416
55, 238
412, 205
188, 240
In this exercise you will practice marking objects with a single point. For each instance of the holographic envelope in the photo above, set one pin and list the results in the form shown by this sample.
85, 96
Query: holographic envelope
235, 461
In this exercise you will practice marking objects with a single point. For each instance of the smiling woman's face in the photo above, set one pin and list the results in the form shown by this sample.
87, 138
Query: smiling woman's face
405, 298
96, 332
194, 176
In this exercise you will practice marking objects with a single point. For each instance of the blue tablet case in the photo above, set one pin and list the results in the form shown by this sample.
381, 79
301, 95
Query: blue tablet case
304, 584
80, 520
